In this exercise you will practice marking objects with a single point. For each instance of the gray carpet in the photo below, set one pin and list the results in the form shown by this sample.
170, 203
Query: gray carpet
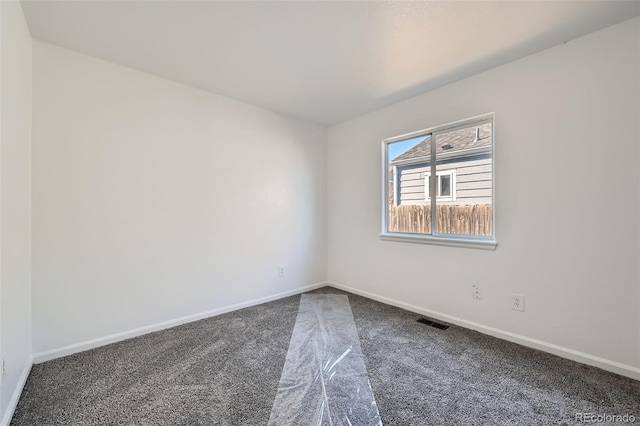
225, 371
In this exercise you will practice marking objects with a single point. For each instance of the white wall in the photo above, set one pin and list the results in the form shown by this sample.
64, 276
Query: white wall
15, 202
153, 201
567, 147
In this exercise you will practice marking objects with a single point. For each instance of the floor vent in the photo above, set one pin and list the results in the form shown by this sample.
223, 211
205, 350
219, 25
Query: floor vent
433, 324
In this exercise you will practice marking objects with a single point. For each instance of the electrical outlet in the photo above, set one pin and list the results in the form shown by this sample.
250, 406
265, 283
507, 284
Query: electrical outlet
281, 271
476, 292
517, 302
3, 368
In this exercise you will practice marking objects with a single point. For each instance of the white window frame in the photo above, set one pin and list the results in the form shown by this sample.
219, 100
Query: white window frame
452, 174
468, 241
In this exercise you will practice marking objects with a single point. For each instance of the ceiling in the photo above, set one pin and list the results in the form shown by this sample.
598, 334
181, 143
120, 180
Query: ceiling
321, 61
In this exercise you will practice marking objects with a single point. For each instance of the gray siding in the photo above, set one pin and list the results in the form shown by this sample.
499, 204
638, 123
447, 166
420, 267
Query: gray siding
473, 182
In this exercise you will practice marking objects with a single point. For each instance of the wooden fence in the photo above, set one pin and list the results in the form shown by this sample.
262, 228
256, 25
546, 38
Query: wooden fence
474, 219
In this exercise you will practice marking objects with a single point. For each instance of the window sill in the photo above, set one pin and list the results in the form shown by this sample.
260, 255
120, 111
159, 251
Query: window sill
441, 241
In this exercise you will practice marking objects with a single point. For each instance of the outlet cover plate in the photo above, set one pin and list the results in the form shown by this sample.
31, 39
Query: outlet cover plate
476, 292
517, 302
3, 367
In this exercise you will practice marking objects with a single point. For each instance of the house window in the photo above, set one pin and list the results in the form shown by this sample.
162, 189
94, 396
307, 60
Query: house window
460, 156
445, 185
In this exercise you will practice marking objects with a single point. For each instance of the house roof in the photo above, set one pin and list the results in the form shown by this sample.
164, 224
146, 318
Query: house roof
449, 142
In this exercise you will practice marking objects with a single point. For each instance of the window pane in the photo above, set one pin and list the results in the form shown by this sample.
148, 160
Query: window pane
445, 186
408, 169
466, 204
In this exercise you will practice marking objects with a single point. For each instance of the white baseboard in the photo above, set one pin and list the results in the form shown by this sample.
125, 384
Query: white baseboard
15, 397
605, 364
101, 341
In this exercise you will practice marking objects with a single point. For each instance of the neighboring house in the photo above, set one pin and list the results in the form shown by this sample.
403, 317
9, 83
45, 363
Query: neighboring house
463, 169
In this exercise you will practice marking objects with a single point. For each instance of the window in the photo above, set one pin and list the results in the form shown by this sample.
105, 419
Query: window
445, 186
460, 156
